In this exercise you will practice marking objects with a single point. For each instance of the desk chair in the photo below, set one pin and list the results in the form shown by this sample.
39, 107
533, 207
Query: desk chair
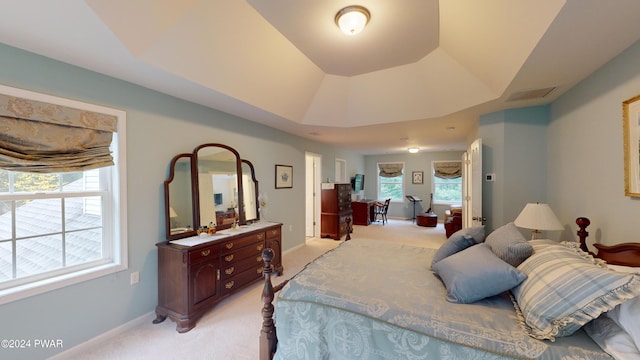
381, 209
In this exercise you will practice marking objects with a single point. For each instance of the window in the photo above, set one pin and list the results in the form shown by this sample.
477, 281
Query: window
61, 228
447, 182
391, 181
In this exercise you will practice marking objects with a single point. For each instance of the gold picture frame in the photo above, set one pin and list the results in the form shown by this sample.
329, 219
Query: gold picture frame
631, 129
417, 177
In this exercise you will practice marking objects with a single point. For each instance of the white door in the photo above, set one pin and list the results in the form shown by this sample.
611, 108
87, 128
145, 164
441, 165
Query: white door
472, 185
312, 186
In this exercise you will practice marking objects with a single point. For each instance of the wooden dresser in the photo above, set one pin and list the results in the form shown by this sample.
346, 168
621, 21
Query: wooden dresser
336, 208
196, 273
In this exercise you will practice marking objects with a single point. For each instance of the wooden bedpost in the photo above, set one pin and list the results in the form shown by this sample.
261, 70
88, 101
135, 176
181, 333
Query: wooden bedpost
583, 222
268, 338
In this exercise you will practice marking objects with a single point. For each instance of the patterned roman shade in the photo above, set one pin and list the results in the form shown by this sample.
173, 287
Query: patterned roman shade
41, 137
390, 170
447, 169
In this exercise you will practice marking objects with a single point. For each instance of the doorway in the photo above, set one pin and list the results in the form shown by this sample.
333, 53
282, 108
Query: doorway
472, 186
312, 192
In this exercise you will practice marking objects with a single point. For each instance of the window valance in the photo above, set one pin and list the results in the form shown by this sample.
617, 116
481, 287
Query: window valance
390, 170
42, 137
447, 169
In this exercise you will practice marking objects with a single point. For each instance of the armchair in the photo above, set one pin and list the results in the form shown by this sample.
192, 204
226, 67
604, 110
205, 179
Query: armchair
453, 221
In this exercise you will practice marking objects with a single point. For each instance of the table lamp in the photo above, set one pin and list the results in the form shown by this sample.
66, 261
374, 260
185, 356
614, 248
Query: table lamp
538, 217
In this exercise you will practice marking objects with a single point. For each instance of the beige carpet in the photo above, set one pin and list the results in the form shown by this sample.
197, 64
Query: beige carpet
230, 330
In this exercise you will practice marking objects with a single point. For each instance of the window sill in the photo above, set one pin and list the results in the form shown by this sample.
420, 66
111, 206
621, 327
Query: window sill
38, 287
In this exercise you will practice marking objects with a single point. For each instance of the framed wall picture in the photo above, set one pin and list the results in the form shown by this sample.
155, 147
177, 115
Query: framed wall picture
284, 176
417, 177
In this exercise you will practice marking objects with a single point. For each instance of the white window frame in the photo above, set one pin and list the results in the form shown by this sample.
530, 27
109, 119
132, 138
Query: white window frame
433, 185
114, 236
380, 197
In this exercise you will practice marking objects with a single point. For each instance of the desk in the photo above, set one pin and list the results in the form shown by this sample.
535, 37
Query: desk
363, 212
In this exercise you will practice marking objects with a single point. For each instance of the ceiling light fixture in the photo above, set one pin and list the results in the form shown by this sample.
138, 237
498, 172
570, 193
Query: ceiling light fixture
352, 19
413, 150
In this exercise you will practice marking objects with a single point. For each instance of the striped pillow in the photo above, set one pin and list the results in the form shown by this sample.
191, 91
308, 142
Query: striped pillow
565, 289
508, 243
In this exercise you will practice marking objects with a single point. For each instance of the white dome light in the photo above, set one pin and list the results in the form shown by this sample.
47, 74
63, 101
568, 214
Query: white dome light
352, 19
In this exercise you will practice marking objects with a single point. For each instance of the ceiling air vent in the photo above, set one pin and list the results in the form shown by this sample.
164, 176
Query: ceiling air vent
530, 94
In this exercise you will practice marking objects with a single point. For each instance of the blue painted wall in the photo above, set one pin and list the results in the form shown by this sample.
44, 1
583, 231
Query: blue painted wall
158, 127
514, 148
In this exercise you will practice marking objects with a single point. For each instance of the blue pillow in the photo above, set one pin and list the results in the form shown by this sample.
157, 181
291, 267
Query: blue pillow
459, 241
476, 273
476, 232
453, 245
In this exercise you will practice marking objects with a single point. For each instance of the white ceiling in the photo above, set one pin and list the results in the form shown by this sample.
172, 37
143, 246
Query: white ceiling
419, 75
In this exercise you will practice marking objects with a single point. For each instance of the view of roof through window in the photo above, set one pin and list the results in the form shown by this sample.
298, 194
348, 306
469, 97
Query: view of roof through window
48, 222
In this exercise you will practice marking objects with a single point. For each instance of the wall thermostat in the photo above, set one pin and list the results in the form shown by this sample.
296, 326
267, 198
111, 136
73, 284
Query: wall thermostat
490, 177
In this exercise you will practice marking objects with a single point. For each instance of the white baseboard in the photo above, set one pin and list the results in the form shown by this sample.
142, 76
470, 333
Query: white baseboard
77, 351
294, 248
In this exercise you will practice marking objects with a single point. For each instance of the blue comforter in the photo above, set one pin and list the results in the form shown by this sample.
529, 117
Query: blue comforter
379, 300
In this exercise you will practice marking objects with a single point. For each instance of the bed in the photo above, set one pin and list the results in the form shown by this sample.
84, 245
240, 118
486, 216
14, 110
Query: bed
357, 302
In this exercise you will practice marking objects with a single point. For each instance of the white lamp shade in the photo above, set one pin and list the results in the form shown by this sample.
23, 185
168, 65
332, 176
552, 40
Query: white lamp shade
352, 20
538, 217
172, 212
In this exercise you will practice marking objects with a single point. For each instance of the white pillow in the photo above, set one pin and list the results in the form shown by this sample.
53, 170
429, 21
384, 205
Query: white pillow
627, 316
612, 339
624, 269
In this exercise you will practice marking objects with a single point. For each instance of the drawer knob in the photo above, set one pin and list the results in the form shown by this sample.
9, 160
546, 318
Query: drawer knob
260, 236
258, 258
229, 285
228, 258
259, 271
229, 271
260, 247
229, 245
206, 252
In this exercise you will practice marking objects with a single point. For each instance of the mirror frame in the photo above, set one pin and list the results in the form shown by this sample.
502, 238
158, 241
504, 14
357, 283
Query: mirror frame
631, 129
256, 190
172, 167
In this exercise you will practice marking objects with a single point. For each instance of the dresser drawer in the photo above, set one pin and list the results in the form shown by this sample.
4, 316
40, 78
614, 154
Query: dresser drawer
251, 250
232, 245
208, 253
230, 270
241, 279
274, 233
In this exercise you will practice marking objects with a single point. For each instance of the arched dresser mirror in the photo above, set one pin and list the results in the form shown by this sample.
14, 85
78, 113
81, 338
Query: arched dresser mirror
211, 185
178, 193
218, 192
251, 191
